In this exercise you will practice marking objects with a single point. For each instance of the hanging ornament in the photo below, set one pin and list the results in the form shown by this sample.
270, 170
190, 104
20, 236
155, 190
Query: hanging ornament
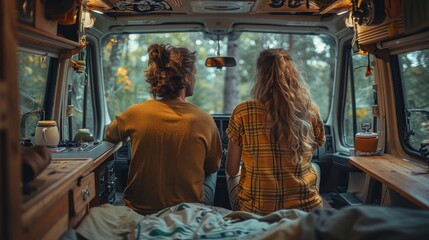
368, 67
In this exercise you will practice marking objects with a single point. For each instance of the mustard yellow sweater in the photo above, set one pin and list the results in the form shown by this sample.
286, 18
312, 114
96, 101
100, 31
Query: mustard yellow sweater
173, 146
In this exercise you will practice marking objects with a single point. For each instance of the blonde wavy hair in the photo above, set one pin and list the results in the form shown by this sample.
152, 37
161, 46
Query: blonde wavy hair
167, 69
278, 85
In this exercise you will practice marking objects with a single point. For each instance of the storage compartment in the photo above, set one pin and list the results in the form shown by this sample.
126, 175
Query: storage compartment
105, 183
82, 194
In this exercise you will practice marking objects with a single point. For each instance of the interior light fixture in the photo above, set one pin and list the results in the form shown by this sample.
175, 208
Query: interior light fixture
343, 12
88, 20
97, 11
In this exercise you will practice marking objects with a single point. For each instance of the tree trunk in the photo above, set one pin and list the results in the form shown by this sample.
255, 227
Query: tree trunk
114, 61
230, 90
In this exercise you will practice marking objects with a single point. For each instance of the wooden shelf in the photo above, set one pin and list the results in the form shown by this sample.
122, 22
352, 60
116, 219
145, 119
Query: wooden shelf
34, 38
397, 174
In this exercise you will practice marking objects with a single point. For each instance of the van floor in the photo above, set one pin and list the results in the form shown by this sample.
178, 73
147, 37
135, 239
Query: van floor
119, 201
326, 198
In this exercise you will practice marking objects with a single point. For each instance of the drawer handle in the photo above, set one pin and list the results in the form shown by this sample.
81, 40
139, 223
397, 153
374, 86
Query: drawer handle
101, 180
86, 193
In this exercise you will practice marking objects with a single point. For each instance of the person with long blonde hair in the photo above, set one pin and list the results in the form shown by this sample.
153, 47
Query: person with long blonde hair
272, 138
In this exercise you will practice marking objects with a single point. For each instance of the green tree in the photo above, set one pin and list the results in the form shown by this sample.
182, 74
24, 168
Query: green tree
217, 91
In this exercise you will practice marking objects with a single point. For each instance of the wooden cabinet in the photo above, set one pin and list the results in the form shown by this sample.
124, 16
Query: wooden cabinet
46, 207
62, 194
49, 223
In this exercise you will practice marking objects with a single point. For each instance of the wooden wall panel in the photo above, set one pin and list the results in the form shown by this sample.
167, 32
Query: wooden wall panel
10, 170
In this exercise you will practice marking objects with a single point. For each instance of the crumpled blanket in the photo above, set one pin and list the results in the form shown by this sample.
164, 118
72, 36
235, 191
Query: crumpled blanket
183, 221
357, 223
109, 222
198, 221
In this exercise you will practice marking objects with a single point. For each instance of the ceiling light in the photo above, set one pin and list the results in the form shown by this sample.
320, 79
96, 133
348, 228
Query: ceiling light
97, 11
343, 12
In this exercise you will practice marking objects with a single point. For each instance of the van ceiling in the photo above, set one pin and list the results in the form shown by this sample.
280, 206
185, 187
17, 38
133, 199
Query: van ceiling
142, 7
214, 16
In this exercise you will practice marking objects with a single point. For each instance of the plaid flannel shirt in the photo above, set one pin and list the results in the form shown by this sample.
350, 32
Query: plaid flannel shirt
269, 179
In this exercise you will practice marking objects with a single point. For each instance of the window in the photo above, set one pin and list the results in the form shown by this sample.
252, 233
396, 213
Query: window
33, 72
80, 101
415, 86
359, 98
125, 59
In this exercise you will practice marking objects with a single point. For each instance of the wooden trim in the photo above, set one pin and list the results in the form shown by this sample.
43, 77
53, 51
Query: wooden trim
344, 4
10, 161
102, 158
397, 174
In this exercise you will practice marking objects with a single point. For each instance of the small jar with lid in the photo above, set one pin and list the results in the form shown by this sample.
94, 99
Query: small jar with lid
366, 142
83, 135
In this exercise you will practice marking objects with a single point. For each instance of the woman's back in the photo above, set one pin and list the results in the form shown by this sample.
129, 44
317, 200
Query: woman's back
270, 180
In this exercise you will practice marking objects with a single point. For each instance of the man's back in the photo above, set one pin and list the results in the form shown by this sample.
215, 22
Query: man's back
173, 145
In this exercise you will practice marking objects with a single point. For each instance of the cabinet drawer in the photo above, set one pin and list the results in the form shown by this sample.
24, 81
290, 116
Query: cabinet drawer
82, 194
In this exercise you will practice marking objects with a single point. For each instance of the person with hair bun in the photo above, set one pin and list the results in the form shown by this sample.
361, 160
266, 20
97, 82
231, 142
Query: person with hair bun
272, 138
176, 147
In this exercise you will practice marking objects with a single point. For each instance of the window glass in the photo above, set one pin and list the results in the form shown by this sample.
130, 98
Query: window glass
80, 112
125, 59
32, 79
360, 94
349, 119
414, 76
89, 118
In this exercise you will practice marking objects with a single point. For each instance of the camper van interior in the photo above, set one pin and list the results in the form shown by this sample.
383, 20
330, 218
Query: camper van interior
68, 67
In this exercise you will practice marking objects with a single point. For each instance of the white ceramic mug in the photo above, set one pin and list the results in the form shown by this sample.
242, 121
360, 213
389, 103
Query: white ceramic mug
47, 133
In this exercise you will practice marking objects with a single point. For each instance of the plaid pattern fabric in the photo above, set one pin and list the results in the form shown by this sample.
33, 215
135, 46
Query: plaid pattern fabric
269, 180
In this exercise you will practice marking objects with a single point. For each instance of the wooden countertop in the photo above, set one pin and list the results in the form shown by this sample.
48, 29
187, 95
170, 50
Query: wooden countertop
99, 154
397, 174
